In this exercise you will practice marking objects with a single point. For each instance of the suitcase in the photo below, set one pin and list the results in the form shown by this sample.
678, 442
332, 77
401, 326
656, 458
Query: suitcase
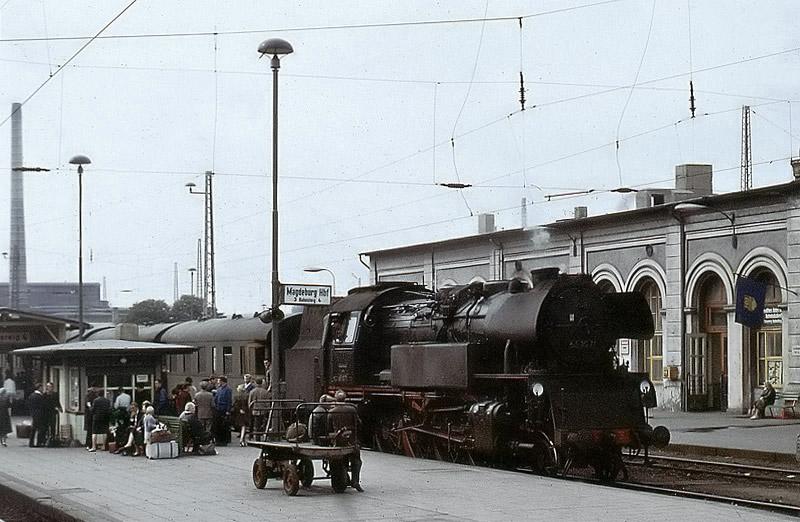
162, 450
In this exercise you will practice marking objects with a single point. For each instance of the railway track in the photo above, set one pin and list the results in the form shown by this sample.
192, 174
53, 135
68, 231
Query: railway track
722, 469
751, 485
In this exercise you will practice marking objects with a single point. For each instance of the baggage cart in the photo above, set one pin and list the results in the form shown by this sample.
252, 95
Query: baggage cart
292, 461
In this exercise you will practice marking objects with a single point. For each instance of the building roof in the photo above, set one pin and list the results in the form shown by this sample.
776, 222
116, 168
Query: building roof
489, 235
11, 314
104, 347
713, 200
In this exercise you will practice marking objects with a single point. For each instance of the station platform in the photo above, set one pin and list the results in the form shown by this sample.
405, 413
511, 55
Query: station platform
106, 487
730, 434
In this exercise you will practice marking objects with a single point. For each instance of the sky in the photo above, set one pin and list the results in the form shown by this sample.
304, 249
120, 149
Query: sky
379, 104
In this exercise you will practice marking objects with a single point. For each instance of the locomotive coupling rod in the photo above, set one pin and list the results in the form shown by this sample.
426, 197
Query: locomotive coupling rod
431, 433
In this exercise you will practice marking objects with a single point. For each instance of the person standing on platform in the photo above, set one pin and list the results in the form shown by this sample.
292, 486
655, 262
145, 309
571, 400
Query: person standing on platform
181, 397
52, 410
161, 399
123, 401
223, 403
191, 388
10, 386
91, 395
37, 408
204, 402
5, 416
249, 384
258, 402
101, 414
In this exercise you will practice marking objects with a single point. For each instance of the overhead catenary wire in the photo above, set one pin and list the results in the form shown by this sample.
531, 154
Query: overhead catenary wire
377, 25
408, 228
72, 57
633, 86
461, 110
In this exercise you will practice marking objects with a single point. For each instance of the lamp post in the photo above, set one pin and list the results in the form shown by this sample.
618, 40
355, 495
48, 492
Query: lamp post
80, 160
315, 269
191, 280
209, 286
276, 47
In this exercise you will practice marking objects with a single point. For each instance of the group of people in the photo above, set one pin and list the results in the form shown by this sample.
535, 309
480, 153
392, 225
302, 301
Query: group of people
44, 407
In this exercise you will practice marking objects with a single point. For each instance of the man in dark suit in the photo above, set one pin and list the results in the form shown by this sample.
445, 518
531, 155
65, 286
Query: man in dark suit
52, 409
36, 406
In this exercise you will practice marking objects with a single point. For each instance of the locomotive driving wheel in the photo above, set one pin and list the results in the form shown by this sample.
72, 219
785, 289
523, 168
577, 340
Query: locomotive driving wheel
609, 467
545, 458
260, 473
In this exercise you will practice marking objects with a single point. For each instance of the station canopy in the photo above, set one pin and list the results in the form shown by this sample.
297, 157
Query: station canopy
105, 347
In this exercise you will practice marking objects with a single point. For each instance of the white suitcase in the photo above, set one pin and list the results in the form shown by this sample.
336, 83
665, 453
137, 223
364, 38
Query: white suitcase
162, 450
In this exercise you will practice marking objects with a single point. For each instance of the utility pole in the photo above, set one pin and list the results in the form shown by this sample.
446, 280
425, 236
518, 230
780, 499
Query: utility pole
199, 266
209, 289
175, 281
747, 152
207, 267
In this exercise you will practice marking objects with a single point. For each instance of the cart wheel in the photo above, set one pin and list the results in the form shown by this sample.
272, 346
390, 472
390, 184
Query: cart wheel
259, 473
339, 477
291, 480
306, 472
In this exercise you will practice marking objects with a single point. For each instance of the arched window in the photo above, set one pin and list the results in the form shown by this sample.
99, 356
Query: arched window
651, 351
606, 286
769, 336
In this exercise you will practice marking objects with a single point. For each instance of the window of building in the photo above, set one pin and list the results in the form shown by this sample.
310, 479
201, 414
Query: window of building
227, 360
769, 336
74, 390
651, 351
770, 358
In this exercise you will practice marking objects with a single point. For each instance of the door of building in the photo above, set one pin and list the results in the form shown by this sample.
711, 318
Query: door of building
718, 371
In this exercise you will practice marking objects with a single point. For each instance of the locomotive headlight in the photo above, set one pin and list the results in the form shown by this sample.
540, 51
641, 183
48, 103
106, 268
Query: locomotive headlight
645, 387
537, 389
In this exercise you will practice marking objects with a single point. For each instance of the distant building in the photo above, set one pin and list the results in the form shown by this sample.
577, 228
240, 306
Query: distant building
61, 299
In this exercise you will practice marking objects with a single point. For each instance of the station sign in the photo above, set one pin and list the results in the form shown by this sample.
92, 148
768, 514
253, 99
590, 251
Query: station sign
15, 338
306, 294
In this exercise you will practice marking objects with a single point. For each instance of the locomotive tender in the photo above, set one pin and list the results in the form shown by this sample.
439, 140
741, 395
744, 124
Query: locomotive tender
511, 373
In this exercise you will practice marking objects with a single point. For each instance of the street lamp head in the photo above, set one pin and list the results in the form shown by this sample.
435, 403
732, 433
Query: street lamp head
314, 269
684, 208
688, 207
80, 159
190, 185
275, 47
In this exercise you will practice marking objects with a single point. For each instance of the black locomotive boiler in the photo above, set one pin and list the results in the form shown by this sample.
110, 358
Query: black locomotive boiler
511, 373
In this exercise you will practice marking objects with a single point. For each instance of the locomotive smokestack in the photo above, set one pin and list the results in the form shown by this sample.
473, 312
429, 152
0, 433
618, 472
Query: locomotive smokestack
17, 273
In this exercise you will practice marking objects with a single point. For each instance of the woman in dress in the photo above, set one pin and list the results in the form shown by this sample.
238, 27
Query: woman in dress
5, 416
241, 413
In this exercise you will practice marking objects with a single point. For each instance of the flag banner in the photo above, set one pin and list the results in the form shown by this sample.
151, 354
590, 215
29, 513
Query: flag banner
750, 296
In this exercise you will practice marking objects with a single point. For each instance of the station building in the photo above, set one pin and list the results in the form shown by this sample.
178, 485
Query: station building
683, 248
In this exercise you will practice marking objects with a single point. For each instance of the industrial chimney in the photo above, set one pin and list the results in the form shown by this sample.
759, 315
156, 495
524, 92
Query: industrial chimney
17, 272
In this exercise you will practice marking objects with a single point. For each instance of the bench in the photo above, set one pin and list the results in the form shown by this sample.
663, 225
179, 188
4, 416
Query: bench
785, 407
175, 427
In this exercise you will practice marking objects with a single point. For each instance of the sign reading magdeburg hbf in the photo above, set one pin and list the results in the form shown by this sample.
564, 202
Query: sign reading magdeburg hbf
306, 294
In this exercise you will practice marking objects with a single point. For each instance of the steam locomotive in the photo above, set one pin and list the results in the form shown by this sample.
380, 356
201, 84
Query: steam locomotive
518, 373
